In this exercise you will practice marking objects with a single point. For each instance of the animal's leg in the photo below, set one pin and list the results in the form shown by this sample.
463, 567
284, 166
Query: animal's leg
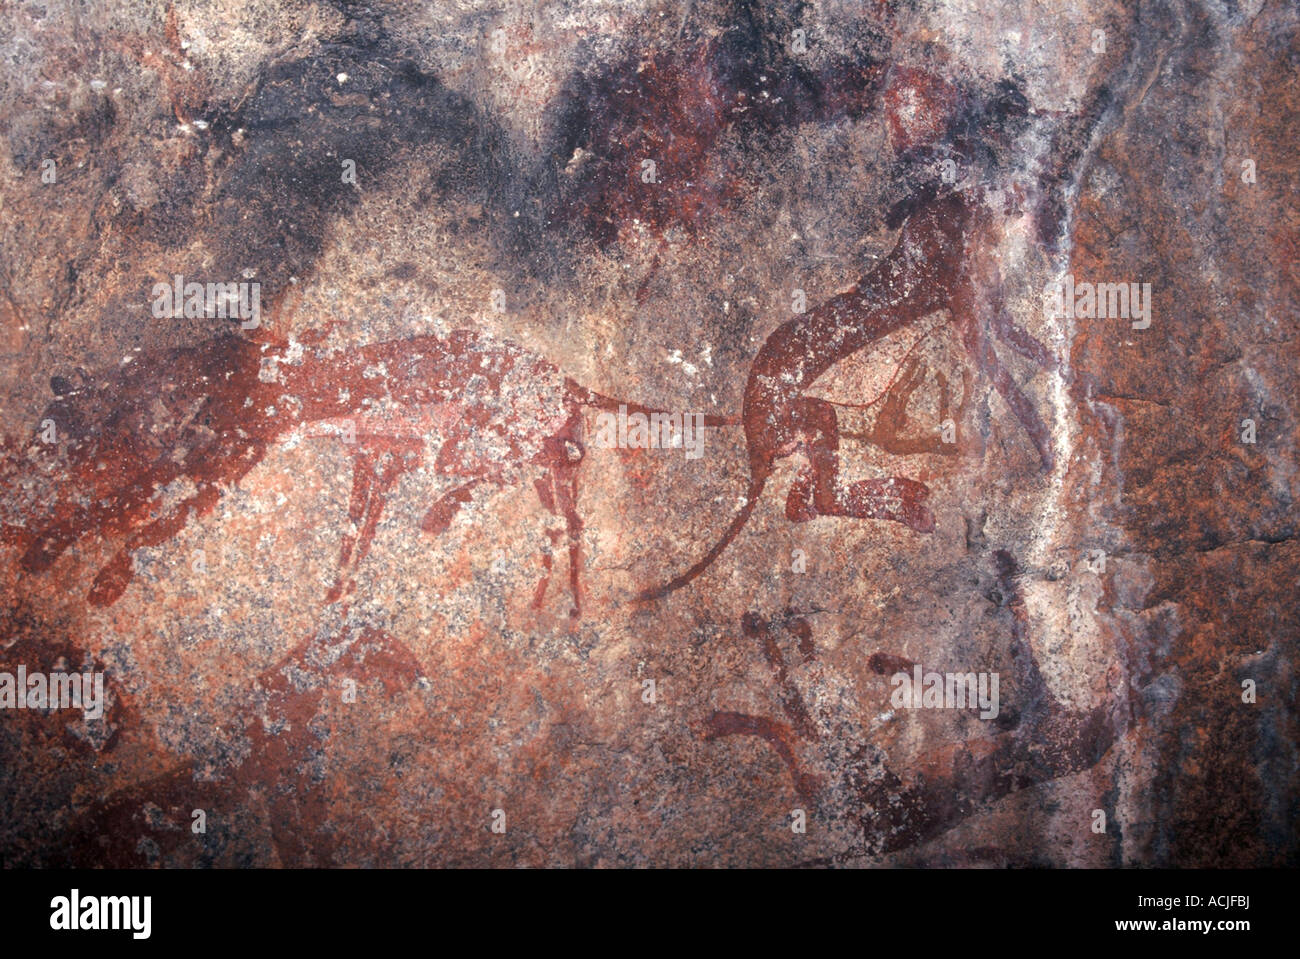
817, 490
457, 457
780, 736
114, 515
967, 318
375, 472
111, 581
548, 562
963, 445
986, 358
777, 735
441, 513
892, 419
765, 632
562, 454
1018, 339
814, 492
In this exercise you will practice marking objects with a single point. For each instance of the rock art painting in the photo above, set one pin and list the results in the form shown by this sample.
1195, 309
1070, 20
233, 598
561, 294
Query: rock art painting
595, 433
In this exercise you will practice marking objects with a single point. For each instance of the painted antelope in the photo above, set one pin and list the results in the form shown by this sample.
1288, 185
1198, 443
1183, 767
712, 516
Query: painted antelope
129, 439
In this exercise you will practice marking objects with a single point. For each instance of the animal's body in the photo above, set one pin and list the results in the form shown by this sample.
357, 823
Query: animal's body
927, 270
138, 454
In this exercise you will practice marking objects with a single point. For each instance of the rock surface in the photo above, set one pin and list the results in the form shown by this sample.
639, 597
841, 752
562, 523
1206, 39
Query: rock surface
367, 582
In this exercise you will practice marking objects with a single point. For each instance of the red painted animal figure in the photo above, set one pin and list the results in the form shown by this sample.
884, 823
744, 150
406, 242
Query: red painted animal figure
1036, 739
926, 271
286, 737
147, 448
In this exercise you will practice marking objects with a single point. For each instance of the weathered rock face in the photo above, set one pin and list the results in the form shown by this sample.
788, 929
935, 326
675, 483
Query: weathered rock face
974, 326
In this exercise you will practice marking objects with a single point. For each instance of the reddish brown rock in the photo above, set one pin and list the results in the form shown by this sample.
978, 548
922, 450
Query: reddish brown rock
366, 587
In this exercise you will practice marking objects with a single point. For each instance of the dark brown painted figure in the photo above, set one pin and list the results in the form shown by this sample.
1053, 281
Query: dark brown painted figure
1035, 739
927, 270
